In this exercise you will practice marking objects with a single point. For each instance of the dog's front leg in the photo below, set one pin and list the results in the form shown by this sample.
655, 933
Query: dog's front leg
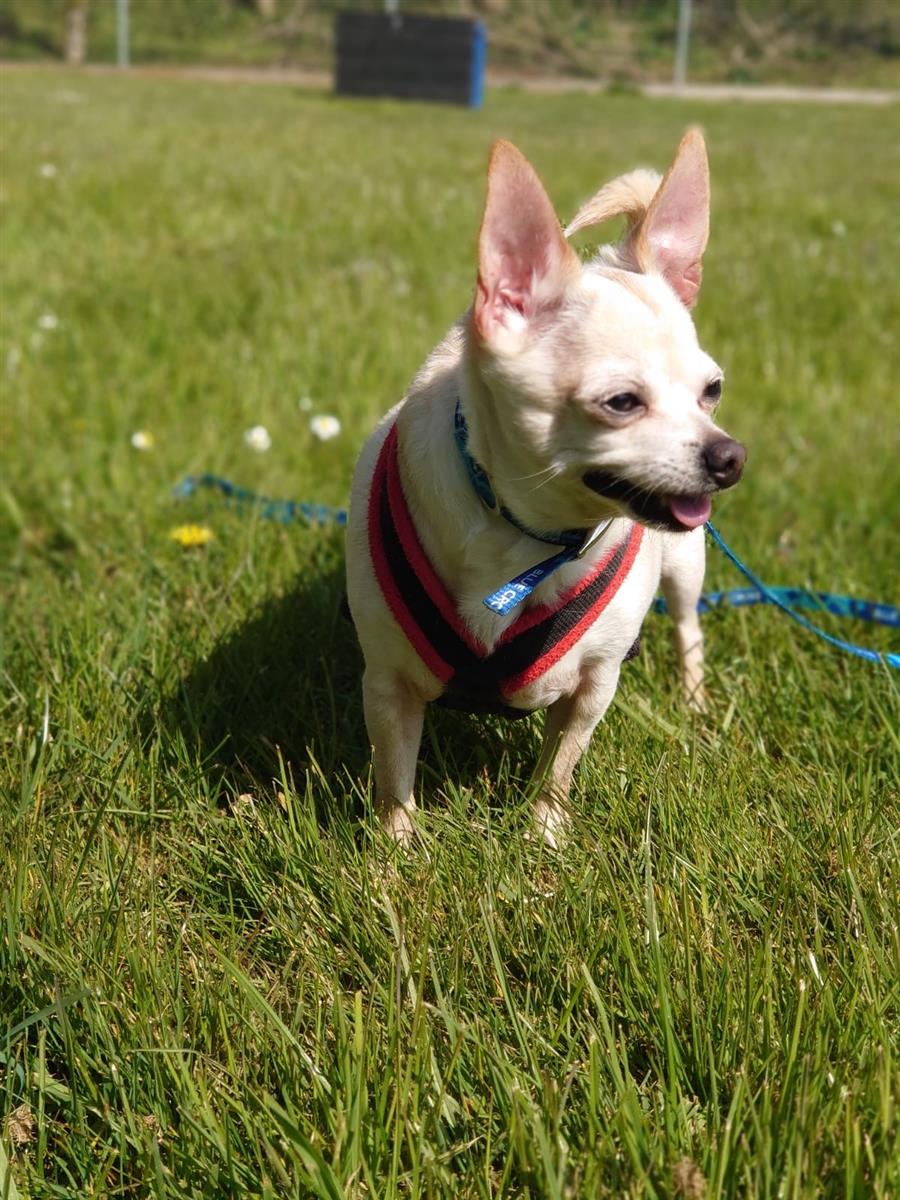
683, 568
567, 732
394, 715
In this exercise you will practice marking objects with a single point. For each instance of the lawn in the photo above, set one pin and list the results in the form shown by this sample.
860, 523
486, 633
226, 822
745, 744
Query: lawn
215, 978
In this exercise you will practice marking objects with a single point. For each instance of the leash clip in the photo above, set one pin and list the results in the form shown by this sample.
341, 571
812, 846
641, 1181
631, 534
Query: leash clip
593, 538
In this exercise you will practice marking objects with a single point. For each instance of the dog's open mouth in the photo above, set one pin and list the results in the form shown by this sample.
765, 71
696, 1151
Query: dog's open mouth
673, 512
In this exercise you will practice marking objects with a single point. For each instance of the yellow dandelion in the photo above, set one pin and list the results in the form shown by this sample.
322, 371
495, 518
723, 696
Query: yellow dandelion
189, 536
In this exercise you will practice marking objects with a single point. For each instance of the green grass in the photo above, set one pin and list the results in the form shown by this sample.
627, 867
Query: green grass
214, 982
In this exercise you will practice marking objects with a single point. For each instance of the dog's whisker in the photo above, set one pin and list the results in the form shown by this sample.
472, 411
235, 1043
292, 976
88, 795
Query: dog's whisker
549, 479
551, 470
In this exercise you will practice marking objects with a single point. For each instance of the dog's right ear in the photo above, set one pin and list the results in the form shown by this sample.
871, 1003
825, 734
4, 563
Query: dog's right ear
524, 263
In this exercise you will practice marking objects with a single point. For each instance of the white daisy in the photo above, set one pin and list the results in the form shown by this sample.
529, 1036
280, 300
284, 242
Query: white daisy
142, 439
325, 427
258, 439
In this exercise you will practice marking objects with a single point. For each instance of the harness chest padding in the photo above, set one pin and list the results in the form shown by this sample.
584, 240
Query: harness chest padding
475, 676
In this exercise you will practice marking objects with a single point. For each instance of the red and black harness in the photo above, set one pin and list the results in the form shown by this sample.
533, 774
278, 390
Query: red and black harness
476, 678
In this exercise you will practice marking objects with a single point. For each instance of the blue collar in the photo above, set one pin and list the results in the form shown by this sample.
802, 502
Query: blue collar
575, 541
481, 482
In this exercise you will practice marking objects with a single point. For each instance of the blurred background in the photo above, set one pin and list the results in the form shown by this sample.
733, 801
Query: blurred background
814, 42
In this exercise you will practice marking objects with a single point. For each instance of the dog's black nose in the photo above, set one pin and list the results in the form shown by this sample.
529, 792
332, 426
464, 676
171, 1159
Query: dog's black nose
724, 460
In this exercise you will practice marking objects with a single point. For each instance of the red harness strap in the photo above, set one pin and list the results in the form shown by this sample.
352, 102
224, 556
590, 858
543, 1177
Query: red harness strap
425, 610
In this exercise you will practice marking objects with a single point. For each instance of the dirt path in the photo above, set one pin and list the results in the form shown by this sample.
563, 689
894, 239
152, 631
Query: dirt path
322, 80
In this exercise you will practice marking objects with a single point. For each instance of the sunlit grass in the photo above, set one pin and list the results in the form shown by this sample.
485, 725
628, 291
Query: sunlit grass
211, 983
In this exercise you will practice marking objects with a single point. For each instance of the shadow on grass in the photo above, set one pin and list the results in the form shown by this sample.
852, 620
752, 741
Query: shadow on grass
285, 686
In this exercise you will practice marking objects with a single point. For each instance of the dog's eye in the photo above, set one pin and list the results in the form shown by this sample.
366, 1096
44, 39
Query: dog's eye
623, 403
712, 393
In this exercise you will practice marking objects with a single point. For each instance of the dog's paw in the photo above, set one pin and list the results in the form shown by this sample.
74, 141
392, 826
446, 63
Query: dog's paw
399, 825
695, 698
550, 820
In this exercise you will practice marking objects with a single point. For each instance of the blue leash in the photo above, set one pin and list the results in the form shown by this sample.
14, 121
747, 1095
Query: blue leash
784, 598
284, 511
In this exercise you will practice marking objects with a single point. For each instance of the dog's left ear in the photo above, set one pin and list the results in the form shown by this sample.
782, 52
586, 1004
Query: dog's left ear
672, 236
524, 263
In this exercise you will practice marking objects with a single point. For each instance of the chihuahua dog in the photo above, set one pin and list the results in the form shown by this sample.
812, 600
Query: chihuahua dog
550, 466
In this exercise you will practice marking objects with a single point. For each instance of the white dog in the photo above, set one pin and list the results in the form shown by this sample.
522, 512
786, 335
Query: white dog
551, 464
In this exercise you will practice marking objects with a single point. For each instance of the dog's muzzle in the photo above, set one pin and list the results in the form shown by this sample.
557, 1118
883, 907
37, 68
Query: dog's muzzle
722, 462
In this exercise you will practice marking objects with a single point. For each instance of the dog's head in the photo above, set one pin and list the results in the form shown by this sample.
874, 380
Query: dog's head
593, 396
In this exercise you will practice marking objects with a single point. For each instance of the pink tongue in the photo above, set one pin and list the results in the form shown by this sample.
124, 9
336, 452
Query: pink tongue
690, 510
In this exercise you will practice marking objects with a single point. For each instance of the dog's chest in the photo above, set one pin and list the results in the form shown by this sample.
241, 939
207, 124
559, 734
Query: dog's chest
475, 582
624, 600
435, 580
588, 615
